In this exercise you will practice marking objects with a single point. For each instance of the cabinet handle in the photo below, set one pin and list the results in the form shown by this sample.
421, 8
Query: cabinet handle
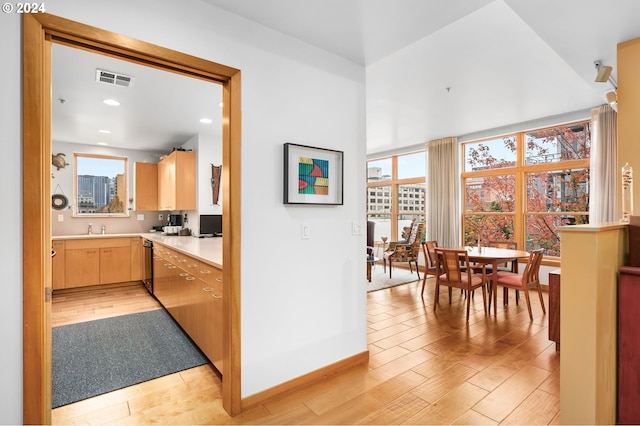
171, 266
192, 265
91, 251
206, 289
217, 296
184, 274
219, 280
190, 278
182, 260
107, 250
205, 272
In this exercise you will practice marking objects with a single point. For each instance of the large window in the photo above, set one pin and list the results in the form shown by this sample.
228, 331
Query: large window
521, 187
395, 193
100, 186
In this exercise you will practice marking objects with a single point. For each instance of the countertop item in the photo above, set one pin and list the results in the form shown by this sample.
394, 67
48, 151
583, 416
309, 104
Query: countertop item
208, 250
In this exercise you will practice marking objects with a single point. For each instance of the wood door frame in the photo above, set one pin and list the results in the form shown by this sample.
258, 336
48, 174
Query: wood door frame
38, 32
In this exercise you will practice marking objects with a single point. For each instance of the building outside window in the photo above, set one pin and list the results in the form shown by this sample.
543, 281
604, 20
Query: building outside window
522, 187
400, 179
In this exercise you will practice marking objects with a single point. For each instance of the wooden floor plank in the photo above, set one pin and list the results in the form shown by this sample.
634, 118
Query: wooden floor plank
425, 367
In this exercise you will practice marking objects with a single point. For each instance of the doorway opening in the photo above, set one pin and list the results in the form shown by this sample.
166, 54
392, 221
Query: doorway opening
39, 32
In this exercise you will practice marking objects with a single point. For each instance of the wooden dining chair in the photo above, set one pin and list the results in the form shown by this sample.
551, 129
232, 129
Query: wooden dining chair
506, 266
428, 250
530, 277
449, 269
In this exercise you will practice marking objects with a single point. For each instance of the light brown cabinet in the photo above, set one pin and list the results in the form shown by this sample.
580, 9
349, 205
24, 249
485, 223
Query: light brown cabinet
146, 186
57, 265
191, 291
177, 181
92, 261
115, 264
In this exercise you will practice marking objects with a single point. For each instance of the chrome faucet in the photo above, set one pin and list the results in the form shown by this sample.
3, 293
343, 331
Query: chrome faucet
90, 231
103, 230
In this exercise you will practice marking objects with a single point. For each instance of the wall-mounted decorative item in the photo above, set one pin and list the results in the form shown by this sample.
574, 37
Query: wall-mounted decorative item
59, 201
216, 173
58, 161
312, 175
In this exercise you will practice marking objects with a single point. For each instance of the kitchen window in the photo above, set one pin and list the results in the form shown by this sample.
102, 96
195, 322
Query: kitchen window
100, 186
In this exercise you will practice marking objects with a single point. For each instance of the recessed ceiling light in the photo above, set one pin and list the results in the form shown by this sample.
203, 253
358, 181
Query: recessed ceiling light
111, 102
104, 131
206, 120
102, 143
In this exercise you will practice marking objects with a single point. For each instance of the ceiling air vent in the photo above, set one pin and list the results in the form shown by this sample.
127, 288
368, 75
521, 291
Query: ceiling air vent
113, 78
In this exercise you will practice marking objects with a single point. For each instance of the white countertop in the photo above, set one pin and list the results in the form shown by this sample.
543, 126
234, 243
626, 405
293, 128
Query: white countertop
208, 250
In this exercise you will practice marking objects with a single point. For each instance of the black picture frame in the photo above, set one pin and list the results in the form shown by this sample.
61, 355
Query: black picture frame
313, 175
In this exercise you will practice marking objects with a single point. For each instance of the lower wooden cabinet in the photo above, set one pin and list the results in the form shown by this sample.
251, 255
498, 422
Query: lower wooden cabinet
628, 346
92, 261
58, 280
191, 291
554, 307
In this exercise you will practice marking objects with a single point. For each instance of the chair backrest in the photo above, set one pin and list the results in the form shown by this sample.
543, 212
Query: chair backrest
531, 272
428, 248
371, 226
504, 244
415, 239
451, 263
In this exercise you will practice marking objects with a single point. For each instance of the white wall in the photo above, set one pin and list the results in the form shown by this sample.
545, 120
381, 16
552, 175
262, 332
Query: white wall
298, 315
10, 176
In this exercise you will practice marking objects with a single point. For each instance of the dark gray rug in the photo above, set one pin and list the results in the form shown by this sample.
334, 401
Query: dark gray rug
96, 357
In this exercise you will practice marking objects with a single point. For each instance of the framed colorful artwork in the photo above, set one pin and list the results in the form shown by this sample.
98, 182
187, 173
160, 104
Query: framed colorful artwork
312, 175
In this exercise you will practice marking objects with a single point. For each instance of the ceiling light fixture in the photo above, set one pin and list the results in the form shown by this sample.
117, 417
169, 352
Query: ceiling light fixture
105, 131
111, 102
102, 144
206, 120
603, 74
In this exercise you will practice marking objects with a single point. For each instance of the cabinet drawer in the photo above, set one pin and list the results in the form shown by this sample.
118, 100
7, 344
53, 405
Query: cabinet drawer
90, 243
209, 274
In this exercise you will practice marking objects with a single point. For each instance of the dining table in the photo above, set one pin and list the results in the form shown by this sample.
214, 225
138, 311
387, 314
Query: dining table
492, 256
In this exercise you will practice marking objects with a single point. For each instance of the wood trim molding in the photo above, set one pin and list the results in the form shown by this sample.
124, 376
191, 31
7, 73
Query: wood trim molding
38, 32
305, 380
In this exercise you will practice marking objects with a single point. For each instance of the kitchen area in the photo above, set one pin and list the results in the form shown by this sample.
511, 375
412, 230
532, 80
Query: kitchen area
136, 200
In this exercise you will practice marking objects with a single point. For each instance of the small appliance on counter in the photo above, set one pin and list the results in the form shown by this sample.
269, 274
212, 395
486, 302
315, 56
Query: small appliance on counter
174, 220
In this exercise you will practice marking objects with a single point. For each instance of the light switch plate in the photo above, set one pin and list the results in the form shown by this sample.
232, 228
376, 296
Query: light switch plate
305, 232
60, 218
140, 216
356, 228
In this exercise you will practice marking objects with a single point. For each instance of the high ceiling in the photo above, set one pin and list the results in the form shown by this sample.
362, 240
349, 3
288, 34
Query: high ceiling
434, 68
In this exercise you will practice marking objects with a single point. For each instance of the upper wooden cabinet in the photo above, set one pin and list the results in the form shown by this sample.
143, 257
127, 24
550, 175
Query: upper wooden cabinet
146, 186
177, 181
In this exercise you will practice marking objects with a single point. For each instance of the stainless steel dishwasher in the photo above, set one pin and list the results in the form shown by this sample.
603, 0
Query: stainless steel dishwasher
147, 246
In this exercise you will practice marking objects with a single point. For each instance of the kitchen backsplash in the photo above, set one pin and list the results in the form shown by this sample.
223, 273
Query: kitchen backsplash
114, 225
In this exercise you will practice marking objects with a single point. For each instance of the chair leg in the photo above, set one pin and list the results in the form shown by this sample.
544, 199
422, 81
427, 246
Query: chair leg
450, 291
484, 299
390, 267
437, 295
468, 305
544, 311
417, 269
526, 296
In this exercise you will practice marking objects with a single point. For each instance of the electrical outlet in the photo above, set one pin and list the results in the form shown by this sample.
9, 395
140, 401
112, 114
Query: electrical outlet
140, 216
60, 218
160, 217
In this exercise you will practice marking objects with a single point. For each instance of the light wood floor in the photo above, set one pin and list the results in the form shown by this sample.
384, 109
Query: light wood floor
424, 368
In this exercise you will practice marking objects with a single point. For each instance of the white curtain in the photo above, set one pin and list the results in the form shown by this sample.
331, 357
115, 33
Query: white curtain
443, 189
603, 196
